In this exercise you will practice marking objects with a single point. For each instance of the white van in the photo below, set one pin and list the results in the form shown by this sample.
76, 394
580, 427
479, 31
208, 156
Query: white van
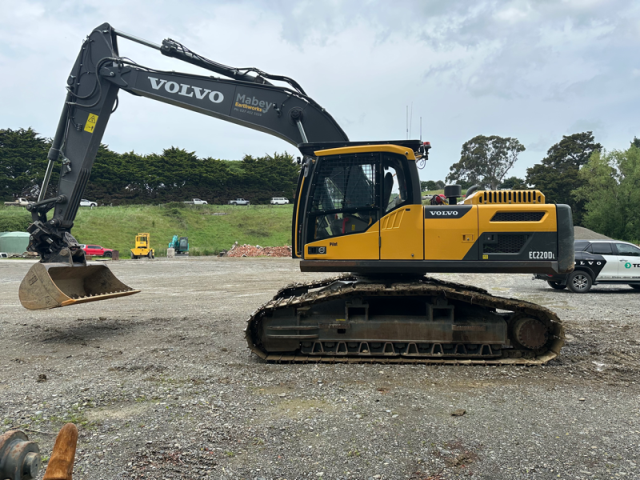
279, 201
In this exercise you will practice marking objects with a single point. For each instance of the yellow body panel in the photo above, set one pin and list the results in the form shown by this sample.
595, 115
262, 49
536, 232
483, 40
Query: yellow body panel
358, 246
401, 234
548, 223
407, 152
405, 234
450, 238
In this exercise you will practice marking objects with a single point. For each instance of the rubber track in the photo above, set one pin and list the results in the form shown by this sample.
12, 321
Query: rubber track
426, 286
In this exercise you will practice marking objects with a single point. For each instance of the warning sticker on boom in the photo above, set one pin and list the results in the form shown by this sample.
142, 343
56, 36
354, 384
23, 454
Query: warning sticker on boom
91, 123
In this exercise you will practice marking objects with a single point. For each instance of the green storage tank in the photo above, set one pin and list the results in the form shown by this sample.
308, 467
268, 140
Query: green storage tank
14, 242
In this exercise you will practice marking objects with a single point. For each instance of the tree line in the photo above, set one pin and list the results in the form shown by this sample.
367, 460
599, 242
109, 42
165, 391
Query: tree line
602, 187
131, 178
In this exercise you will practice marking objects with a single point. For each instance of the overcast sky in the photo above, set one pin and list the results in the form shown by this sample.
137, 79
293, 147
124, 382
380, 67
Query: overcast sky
534, 70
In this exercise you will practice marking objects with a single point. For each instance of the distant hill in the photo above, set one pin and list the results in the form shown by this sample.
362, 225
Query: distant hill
210, 228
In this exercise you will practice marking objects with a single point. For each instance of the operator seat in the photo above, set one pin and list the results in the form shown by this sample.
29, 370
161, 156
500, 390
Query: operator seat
388, 186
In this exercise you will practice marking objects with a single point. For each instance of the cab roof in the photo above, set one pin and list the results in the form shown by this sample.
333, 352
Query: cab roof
312, 147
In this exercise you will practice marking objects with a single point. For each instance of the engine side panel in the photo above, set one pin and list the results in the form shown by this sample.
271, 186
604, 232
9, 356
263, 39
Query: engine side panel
450, 232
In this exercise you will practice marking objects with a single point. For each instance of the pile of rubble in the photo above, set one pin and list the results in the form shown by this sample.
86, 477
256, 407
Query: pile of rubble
257, 251
23, 255
581, 233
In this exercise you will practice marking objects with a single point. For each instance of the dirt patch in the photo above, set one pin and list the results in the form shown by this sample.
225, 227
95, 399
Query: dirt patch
122, 412
306, 407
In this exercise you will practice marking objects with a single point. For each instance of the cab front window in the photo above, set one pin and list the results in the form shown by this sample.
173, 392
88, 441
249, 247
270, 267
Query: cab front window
344, 199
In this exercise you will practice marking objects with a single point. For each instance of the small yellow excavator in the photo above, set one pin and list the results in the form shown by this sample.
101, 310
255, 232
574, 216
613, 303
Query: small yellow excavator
142, 247
357, 209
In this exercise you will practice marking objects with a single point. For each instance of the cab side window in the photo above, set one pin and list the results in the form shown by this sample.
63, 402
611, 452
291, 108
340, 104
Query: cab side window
602, 248
394, 188
628, 250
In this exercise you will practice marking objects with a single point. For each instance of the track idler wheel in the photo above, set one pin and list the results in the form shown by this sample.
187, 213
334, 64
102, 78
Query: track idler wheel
530, 333
19, 458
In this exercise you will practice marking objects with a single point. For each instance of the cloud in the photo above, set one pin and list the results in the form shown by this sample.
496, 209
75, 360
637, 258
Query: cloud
525, 69
587, 125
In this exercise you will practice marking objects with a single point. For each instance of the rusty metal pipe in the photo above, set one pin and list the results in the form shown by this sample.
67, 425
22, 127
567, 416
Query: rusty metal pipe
60, 465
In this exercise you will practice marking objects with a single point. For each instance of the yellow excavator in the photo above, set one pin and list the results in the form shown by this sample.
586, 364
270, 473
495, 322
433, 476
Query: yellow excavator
357, 209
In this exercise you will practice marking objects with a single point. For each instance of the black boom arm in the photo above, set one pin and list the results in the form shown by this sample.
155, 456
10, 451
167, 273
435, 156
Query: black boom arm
246, 98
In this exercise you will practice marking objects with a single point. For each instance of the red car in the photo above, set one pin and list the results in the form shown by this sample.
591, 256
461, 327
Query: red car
97, 251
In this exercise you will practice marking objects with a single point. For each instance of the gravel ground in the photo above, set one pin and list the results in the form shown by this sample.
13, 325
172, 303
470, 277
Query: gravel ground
162, 385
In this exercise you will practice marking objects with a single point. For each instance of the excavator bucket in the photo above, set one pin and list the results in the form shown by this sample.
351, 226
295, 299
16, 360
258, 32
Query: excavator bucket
60, 285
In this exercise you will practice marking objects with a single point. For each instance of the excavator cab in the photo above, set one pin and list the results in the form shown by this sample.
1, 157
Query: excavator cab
347, 195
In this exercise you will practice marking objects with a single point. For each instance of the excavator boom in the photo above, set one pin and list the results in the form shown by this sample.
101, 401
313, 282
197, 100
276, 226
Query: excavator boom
246, 98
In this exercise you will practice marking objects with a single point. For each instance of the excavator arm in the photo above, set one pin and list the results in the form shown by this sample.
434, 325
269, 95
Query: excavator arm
93, 86
246, 97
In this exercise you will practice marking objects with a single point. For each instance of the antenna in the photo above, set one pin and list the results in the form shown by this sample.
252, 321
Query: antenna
407, 122
420, 129
410, 120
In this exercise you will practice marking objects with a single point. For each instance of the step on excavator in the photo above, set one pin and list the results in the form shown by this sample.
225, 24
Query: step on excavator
357, 209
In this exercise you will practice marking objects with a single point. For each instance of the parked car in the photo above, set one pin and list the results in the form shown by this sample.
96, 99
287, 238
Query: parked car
87, 203
4, 255
197, 201
239, 201
279, 201
97, 251
599, 262
20, 202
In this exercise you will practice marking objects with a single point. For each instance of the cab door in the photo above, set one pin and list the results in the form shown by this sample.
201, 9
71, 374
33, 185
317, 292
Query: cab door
401, 226
342, 220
